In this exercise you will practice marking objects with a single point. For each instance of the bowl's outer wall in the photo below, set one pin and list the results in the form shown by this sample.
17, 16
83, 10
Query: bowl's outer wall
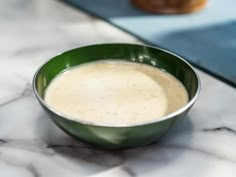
116, 137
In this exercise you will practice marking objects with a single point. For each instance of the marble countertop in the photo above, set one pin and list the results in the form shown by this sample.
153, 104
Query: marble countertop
203, 145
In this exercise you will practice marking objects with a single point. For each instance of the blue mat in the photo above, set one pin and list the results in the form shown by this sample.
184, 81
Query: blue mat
207, 38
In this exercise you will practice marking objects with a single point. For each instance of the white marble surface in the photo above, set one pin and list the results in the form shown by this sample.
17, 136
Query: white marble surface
32, 31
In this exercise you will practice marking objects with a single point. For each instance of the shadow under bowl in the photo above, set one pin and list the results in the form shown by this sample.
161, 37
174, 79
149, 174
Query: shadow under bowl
117, 137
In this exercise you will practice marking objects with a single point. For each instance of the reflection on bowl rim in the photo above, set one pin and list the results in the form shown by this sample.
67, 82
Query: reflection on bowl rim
153, 121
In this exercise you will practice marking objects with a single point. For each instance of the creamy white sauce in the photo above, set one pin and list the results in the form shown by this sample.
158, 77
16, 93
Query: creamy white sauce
115, 93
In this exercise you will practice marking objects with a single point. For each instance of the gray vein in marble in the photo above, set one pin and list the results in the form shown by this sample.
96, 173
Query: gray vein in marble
29, 167
128, 170
2, 141
25, 93
28, 50
90, 154
11, 101
33, 170
36, 147
81, 151
56, 146
219, 129
169, 146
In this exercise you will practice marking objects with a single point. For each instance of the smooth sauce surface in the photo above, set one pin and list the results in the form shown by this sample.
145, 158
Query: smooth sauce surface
115, 93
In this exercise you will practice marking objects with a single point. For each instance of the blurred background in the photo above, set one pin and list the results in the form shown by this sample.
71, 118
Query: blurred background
202, 31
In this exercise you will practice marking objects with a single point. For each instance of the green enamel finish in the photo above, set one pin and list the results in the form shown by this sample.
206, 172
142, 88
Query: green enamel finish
117, 137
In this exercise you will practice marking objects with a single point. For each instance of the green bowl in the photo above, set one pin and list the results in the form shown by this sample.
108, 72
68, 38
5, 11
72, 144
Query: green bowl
117, 137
